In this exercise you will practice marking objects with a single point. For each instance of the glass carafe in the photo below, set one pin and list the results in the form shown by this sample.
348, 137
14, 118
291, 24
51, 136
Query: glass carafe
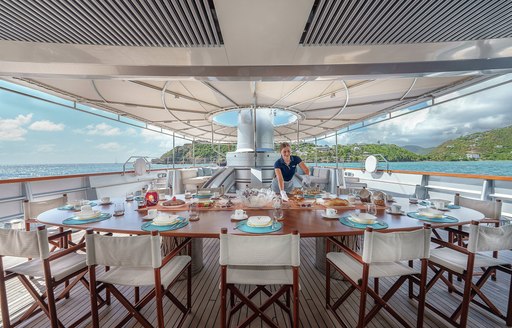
151, 197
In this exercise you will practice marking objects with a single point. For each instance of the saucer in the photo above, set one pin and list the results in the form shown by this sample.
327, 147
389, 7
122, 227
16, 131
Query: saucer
234, 218
335, 216
149, 217
395, 213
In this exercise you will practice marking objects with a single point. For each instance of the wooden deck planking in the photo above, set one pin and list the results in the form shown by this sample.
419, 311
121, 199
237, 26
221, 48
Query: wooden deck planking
206, 300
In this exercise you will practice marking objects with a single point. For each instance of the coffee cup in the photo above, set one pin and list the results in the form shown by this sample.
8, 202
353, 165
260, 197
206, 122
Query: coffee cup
239, 213
152, 213
395, 208
439, 204
330, 212
105, 200
86, 209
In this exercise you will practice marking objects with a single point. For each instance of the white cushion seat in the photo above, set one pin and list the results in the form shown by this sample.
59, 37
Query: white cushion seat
354, 269
457, 261
129, 276
271, 275
60, 268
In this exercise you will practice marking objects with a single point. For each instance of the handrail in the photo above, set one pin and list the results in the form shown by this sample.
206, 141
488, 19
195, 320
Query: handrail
71, 176
443, 174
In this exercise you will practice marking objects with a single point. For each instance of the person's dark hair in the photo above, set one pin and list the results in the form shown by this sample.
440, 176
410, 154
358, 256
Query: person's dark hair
283, 145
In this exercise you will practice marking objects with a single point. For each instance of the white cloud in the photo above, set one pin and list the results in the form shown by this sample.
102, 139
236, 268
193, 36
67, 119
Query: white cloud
102, 129
162, 141
46, 126
432, 126
12, 129
130, 132
110, 146
46, 148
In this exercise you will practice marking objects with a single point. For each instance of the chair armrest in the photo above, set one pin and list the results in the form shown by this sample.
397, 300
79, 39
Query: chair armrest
449, 245
490, 221
60, 235
66, 251
175, 251
457, 231
347, 250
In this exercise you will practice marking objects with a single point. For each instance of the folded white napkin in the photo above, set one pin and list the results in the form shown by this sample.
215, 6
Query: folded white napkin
363, 218
259, 221
165, 219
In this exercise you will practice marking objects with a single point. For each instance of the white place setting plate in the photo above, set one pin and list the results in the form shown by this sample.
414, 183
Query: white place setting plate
430, 213
259, 221
363, 218
239, 218
169, 220
87, 215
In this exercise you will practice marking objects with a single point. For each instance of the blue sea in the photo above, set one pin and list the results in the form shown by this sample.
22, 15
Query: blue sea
501, 168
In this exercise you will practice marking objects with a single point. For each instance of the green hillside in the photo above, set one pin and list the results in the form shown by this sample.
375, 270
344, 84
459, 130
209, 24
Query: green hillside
205, 153
490, 145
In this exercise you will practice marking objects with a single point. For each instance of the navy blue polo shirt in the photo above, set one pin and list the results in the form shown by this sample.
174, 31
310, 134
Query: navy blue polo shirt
287, 170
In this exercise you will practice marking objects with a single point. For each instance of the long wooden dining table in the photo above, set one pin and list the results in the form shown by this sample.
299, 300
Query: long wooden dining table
308, 221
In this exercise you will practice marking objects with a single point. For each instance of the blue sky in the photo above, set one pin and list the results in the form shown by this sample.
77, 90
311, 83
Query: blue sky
37, 132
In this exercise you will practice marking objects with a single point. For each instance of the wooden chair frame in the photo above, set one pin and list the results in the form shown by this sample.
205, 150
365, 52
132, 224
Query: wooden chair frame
293, 312
157, 292
458, 237
29, 218
46, 301
363, 287
470, 289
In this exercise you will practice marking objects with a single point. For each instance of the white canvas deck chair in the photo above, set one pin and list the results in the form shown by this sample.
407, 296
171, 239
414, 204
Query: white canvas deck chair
383, 254
491, 209
136, 261
462, 261
31, 209
259, 261
55, 268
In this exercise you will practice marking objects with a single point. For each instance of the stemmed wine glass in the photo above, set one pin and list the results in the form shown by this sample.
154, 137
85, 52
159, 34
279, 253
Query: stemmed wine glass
277, 213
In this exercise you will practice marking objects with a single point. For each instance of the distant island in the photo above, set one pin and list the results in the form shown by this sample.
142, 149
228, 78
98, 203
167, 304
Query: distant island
489, 145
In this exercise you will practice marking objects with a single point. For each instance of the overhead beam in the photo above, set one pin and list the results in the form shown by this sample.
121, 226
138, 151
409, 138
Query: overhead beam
258, 73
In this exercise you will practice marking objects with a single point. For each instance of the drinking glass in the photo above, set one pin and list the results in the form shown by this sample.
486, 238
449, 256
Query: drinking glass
371, 209
277, 214
193, 213
119, 209
129, 196
188, 194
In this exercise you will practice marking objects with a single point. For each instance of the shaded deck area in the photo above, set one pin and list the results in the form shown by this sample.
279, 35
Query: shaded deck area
206, 300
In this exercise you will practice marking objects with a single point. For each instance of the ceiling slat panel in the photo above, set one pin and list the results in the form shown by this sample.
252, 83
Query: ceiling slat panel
143, 23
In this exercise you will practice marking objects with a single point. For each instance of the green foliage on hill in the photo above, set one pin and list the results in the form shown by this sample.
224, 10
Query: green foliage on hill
489, 145
205, 153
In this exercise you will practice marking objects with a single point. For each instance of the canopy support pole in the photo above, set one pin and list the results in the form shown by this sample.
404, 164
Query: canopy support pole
194, 151
173, 151
316, 152
336, 138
